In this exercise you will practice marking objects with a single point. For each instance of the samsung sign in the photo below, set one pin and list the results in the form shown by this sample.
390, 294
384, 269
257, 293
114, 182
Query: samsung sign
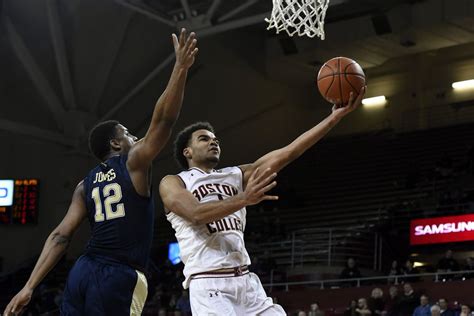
442, 229
6, 192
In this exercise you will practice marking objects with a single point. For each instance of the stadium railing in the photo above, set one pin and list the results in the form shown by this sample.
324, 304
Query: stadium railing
357, 282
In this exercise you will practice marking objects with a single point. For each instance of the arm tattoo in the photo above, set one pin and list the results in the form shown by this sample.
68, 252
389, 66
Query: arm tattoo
60, 239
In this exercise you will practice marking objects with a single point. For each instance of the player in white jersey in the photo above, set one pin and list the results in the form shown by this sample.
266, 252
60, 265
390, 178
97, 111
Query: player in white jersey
206, 208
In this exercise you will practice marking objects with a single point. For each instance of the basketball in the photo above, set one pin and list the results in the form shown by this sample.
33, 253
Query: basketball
338, 77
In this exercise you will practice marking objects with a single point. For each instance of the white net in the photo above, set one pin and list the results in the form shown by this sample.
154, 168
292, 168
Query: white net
301, 17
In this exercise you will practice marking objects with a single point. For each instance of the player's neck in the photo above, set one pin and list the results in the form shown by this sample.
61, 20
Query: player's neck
204, 167
111, 154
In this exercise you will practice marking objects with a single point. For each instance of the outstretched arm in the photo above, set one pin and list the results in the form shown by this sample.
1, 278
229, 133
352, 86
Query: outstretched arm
54, 248
180, 201
167, 107
280, 158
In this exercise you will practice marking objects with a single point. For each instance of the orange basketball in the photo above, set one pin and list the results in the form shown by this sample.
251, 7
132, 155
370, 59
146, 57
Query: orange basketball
338, 77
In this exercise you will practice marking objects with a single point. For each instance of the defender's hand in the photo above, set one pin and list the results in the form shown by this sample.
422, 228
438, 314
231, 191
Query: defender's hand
341, 111
185, 48
258, 185
18, 303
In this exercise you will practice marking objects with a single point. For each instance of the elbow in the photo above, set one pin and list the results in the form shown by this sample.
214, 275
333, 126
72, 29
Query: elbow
198, 217
194, 217
197, 220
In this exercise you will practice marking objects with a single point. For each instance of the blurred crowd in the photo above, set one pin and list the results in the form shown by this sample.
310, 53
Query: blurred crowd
406, 302
400, 273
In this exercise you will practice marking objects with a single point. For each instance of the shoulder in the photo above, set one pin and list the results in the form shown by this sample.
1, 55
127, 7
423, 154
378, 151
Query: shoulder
232, 170
79, 188
79, 195
245, 168
172, 181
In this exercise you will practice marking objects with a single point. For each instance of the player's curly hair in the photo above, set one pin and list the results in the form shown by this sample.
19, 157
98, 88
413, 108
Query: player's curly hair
182, 141
100, 136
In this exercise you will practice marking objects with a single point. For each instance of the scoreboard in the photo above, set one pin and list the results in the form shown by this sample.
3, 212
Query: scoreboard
19, 201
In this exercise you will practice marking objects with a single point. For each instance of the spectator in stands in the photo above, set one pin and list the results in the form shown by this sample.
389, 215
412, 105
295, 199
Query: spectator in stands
394, 270
435, 310
362, 308
392, 303
448, 264
351, 309
301, 313
315, 310
424, 309
469, 266
408, 301
350, 271
409, 270
465, 310
444, 307
376, 302
183, 303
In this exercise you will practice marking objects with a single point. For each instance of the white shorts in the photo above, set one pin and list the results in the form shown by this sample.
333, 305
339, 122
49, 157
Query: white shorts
231, 296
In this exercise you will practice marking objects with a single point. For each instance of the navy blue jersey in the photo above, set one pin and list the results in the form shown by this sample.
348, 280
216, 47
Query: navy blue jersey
121, 220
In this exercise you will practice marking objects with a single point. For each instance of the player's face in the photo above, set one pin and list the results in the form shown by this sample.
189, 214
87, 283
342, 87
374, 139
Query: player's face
125, 139
205, 147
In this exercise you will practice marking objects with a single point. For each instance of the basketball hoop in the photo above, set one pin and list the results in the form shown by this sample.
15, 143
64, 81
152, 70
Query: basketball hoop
300, 17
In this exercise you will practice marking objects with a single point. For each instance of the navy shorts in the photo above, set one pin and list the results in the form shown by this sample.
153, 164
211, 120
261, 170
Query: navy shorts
97, 286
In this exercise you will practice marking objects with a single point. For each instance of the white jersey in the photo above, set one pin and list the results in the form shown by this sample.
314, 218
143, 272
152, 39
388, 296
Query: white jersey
218, 244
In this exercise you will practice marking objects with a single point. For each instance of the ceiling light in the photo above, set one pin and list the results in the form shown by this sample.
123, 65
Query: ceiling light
374, 101
463, 85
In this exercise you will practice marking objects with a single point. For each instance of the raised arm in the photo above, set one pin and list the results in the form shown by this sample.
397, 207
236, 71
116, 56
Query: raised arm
178, 200
167, 107
280, 158
54, 248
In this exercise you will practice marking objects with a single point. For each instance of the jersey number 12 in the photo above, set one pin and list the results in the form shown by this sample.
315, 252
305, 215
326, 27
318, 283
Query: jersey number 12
112, 195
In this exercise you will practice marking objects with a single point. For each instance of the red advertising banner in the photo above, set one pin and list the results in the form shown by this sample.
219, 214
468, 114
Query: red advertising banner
442, 229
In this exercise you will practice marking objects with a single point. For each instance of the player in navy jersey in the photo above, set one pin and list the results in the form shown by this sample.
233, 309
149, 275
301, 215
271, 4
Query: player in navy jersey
116, 199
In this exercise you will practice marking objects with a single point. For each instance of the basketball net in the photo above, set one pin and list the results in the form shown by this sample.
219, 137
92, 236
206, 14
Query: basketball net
301, 17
